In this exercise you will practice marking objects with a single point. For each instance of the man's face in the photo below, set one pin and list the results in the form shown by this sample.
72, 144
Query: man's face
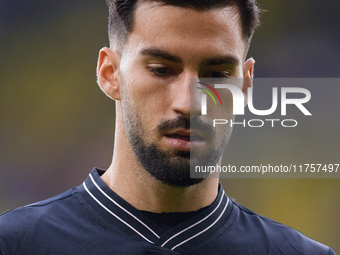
167, 47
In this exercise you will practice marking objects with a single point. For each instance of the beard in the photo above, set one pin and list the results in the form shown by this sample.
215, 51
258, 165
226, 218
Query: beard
171, 167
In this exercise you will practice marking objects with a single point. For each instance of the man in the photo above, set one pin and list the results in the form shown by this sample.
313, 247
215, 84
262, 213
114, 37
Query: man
146, 202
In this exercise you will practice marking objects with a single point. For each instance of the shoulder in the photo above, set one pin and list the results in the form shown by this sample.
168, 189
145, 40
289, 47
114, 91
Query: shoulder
34, 211
275, 235
23, 223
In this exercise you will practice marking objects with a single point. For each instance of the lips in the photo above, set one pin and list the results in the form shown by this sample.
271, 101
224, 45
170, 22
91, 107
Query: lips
184, 140
181, 137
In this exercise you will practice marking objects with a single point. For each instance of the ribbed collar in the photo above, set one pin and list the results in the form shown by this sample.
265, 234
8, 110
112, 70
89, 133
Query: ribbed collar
134, 223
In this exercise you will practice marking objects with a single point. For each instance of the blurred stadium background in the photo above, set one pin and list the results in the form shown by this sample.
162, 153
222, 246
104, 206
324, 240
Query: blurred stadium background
56, 124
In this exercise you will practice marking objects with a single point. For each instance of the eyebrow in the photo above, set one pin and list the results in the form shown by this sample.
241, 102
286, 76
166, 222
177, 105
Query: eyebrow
214, 61
153, 52
219, 60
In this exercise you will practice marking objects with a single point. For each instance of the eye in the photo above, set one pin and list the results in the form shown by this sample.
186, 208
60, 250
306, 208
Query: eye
216, 74
160, 70
219, 74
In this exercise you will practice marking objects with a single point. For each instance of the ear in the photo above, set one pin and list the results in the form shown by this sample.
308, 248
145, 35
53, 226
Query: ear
108, 73
248, 72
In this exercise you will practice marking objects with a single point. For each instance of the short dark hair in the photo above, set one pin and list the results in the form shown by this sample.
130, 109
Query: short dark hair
121, 15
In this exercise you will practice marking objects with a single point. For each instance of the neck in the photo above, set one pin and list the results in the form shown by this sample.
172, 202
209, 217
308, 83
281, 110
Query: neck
148, 194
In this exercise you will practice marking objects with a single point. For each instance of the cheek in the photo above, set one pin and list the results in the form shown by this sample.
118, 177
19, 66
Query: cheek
148, 91
149, 96
149, 100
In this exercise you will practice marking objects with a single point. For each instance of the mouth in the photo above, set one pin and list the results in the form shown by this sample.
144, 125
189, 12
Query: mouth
184, 140
180, 137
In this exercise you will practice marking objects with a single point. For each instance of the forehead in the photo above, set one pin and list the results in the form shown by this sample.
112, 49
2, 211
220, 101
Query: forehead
186, 30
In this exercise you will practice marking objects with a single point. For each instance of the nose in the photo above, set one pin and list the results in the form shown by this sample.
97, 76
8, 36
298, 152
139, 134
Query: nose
186, 100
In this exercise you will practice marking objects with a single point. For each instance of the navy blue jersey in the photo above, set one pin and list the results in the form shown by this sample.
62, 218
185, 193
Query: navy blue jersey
92, 219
